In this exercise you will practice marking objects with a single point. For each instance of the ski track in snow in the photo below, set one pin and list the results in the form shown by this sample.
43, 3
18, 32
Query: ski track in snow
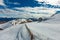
47, 30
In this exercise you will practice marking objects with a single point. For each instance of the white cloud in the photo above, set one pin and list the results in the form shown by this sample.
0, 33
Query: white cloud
52, 2
40, 0
1, 2
28, 11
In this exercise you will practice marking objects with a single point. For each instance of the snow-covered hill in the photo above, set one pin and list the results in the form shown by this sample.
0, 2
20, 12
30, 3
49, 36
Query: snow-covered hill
24, 30
48, 30
54, 19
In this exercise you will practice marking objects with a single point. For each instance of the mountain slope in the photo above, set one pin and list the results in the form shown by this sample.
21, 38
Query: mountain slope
40, 31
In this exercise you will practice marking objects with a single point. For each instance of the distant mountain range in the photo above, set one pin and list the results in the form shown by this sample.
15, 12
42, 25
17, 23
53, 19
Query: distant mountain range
7, 19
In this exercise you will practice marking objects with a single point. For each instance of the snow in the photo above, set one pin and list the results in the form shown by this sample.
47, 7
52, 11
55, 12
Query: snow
6, 25
54, 19
45, 30
50, 31
18, 32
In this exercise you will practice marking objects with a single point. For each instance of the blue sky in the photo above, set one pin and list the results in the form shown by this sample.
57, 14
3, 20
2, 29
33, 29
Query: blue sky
13, 4
22, 3
26, 3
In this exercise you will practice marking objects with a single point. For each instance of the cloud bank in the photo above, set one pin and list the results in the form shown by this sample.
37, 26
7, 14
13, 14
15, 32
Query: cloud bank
1, 2
22, 8
52, 2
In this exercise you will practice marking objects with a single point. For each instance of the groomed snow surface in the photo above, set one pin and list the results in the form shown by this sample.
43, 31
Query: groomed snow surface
45, 30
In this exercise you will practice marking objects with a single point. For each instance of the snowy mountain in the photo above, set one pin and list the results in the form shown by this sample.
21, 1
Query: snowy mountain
23, 29
48, 30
